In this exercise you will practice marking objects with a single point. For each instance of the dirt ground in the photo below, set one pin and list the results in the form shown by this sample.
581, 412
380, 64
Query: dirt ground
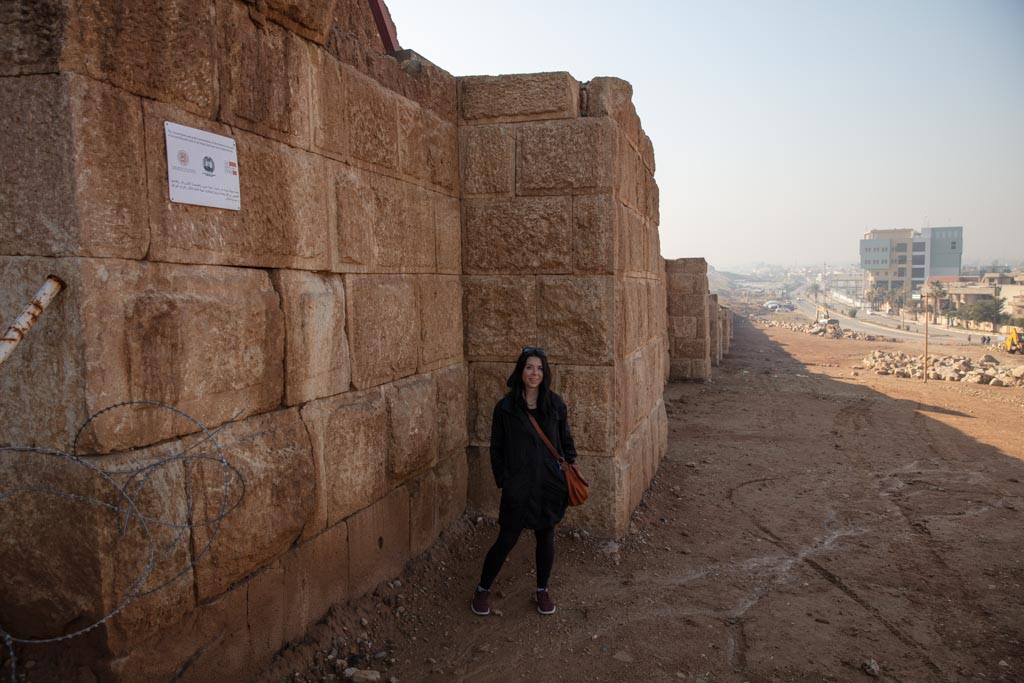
806, 525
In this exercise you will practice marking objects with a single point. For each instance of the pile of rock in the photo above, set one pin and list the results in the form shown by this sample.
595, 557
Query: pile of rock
819, 329
985, 370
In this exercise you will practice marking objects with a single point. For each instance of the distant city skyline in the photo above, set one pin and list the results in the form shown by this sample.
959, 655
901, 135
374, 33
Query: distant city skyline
783, 131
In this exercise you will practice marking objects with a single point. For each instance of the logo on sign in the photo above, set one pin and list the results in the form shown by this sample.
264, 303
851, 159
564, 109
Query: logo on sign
183, 157
208, 165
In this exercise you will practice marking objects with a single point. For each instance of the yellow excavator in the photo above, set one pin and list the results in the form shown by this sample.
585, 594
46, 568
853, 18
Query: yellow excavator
824, 317
1014, 342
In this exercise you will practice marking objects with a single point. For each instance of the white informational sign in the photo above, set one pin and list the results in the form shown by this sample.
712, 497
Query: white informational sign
202, 168
916, 296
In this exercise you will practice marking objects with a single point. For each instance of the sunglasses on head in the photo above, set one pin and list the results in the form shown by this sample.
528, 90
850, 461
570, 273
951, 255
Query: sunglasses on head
531, 351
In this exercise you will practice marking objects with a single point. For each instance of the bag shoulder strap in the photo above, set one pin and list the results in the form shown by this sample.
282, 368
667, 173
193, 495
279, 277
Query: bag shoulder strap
544, 438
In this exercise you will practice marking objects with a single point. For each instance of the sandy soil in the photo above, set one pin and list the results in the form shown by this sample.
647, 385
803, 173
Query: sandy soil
806, 525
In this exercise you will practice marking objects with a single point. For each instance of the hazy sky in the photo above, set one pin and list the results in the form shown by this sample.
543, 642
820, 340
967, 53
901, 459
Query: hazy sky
784, 129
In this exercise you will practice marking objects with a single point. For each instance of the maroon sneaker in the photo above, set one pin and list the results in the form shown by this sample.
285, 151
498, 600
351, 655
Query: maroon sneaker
482, 603
545, 603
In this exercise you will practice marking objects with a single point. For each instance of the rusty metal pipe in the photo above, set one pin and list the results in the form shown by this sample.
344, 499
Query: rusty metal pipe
24, 322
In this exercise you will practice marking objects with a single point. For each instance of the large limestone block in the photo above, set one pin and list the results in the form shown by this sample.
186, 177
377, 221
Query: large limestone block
628, 315
427, 146
486, 387
613, 97
629, 394
440, 310
316, 358
349, 435
632, 246
588, 392
559, 157
647, 153
452, 481
488, 159
284, 204
575, 319
273, 457
403, 225
448, 229
594, 234
660, 431
352, 215
266, 596
329, 96
309, 18
383, 326
423, 501
696, 265
482, 496
518, 235
315, 578
378, 541
680, 283
264, 74
519, 97
412, 425
606, 512
72, 181
500, 314
372, 121
679, 368
689, 305
452, 409
32, 36
683, 327
635, 456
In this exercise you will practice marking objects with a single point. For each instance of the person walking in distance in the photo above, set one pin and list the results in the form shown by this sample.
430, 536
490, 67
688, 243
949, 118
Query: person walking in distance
533, 488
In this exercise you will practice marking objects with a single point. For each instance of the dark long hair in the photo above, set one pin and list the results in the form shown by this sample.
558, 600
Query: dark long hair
516, 387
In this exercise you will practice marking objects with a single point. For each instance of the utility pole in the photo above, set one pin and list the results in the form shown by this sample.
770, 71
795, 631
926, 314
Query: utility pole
926, 293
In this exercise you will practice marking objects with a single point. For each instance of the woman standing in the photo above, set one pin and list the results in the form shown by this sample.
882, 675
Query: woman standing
533, 489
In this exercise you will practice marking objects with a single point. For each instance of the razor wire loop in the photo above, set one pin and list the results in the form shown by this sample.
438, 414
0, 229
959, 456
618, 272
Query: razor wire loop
128, 494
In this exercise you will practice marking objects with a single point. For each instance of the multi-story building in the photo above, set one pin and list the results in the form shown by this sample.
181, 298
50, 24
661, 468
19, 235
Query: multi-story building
904, 259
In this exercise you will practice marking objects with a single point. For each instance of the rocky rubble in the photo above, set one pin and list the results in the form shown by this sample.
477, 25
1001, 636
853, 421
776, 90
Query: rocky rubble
985, 370
822, 330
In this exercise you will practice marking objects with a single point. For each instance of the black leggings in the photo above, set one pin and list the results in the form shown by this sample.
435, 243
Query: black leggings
507, 537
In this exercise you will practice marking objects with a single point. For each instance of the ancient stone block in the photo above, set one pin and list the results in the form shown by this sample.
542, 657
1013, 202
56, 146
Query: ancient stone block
423, 500
378, 541
613, 97
264, 77
443, 154
32, 37
483, 495
628, 316
448, 229
403, 225
440, 310
588, 392
316, 347
635, 456
412, 425
500, 314
683, 326
680, 283
315, 578
352, 216
349, 439
688, 304
605, 512
373, 121
518, 235
309, 18
486, 387
700, 368
679, 368
660, 430
452, 479
427, 146
329, 86
71, 182
452, 406
559, 157
488, 159
593, 234
138, 46
273, 457
647, 153
687, 265
519, 97
575, 320
266, 611
284, 205
383, 326
628, 394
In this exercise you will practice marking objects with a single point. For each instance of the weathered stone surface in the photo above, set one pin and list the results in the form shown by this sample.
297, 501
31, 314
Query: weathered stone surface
353, 247
309, 18
316, 359
272, 455
265, 597
315, 577
452, 481
635, 455
519, 97
518, 235
500, 314
440, 309
632, 247
613, 97
427, 146
593, 234
588, 392
71, 181
488, 159
403, 225
628, 394
423, 500
486, 387
687, 265
689, 304
452, 406
373, 121
329, 98
558, 157
575, 318
483, 495
383, 326
264, 77
378, 542
412, 425
284, 205
448, 229
647, 153
349, 440
140, 47
32, 36
606, 511
629, 315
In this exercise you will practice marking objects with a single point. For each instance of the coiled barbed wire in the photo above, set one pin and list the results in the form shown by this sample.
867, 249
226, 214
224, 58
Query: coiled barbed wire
126, 510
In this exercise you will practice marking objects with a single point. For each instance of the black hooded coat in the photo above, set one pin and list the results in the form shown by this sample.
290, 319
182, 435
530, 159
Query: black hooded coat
533, 490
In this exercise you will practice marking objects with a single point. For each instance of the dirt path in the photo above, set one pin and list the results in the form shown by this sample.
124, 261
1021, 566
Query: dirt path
805, 524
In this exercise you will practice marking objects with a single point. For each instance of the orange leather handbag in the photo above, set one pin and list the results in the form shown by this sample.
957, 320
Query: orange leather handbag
579, 489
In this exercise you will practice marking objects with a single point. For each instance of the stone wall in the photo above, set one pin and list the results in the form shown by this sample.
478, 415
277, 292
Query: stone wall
727, 328
324, 317
561, 251
689, 318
